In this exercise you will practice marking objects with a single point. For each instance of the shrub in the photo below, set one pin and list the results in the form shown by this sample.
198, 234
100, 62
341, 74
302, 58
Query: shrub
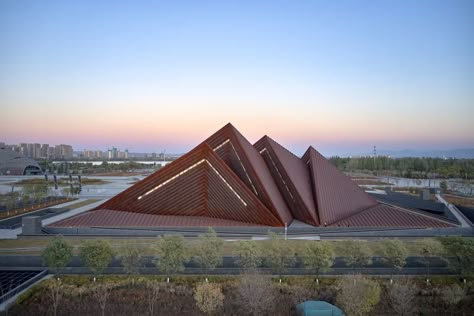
209, 297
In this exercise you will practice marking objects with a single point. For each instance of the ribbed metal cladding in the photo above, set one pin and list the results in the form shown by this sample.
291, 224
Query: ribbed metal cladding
292, 176
197, 184
336, 195
225, 181
112, 218
388, 216
249, 166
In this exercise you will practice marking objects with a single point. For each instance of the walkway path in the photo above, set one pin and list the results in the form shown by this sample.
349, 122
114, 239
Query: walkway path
13, 233
73, 212
455, 211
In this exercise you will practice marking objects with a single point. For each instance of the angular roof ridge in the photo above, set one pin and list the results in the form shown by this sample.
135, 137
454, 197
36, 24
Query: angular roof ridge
217, 191
293, 179
253, 169
328, 181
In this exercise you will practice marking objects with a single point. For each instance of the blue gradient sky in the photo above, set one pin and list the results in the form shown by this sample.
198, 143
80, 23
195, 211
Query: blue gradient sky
339, 75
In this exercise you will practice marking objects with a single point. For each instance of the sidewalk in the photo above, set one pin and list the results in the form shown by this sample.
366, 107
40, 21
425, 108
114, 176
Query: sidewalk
73, 212
459, 216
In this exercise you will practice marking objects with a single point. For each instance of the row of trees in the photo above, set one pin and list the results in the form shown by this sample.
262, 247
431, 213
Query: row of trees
173, 252
409, 167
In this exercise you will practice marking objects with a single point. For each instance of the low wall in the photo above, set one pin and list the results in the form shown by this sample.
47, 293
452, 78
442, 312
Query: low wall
323, 232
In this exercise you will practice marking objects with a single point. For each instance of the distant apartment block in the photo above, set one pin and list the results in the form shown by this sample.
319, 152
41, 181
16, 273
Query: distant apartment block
109, 154
42, 151
64, 152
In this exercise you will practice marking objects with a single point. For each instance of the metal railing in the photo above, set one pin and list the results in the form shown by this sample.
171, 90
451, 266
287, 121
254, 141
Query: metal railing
22, 286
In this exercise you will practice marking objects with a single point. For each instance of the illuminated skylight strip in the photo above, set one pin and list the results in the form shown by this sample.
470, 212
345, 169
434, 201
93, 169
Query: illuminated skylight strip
227, 183
240, 161
248, 177
172, 178
188, 169
278, 171
225, 142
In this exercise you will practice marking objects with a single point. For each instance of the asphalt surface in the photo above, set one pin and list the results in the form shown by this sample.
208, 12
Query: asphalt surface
230, 265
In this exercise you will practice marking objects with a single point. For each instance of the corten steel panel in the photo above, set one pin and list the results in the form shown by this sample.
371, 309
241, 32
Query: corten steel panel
292, 177
197, 184
111, 218
387, 216
337, 196
249, 166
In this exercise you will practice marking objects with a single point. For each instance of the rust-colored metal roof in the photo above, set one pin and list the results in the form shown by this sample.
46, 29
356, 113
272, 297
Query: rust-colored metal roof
225, 181
382, 215
291, 175
249, 166
111, 218
197, 184
336, 195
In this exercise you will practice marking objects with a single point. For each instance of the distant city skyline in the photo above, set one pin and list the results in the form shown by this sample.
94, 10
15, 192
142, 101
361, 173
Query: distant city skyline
341, 76
38, 151
66, 151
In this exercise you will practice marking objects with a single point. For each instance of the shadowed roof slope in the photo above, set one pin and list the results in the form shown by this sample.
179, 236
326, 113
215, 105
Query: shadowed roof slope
247, 163
197, 184
336, 196
292, 177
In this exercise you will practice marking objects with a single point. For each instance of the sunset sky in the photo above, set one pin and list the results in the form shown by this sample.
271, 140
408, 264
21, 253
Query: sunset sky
342, 76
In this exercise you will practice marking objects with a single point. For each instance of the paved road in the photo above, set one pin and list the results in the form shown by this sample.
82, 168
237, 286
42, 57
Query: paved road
414, 266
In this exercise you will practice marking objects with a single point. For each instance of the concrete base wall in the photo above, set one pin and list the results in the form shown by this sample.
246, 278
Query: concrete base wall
242, 232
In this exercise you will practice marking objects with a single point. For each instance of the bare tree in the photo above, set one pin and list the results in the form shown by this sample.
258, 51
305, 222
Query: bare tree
301, 294
358, 295
452, 295
209, 297
55, 293
153, 289
402, 297
101, 294
257, 293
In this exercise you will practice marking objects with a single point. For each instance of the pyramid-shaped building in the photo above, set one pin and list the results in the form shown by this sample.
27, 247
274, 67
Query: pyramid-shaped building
227, 181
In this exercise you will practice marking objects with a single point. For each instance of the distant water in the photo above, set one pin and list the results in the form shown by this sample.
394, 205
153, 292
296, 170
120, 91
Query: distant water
113, 162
